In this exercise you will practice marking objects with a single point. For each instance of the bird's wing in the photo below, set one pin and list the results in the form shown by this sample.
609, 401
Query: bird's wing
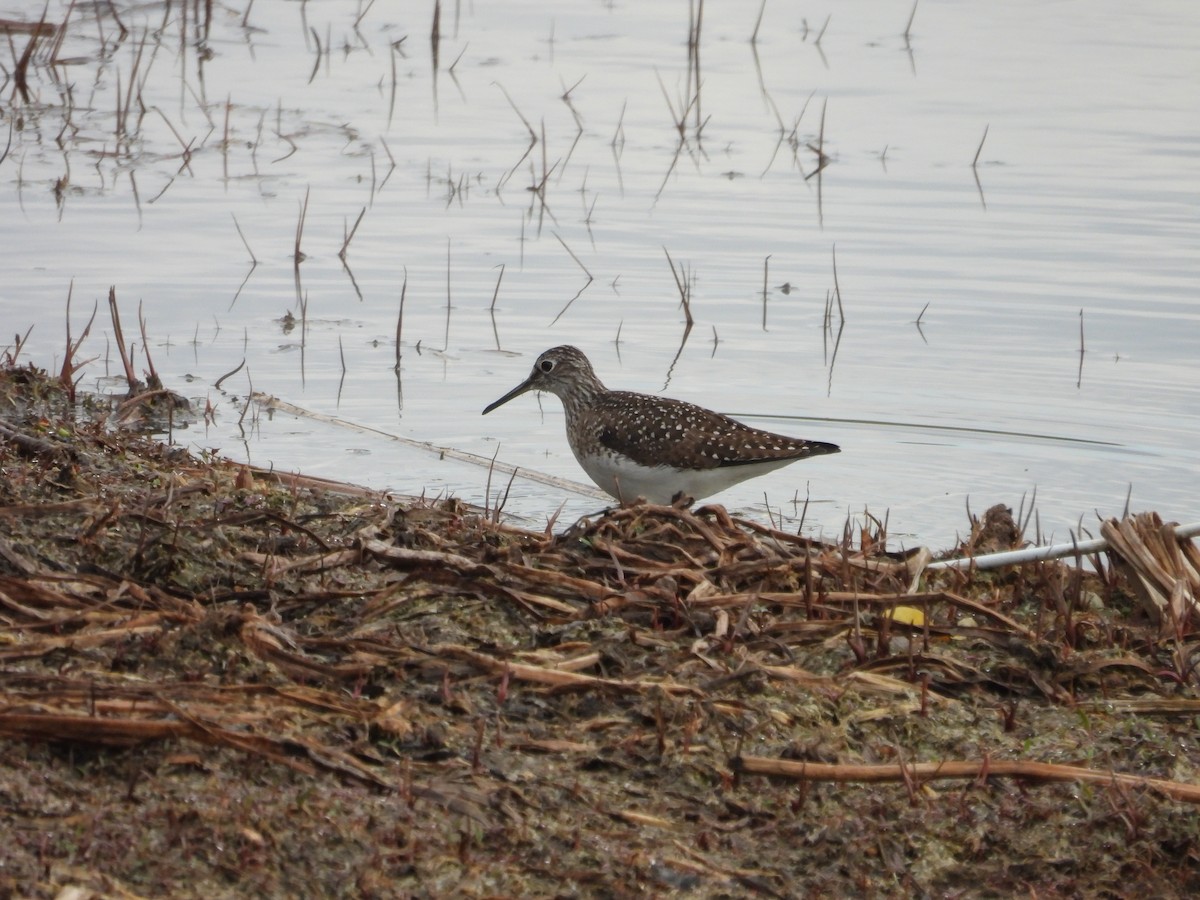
652, 431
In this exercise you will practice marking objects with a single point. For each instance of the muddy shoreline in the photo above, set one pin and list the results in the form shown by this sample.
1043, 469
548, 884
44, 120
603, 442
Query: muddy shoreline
219, 681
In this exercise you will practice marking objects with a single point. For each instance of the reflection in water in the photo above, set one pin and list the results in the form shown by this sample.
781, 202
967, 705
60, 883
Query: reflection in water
687, 106
832, 297
822, 162
917, 323
617, 145
253, 263
831, 358
533, 139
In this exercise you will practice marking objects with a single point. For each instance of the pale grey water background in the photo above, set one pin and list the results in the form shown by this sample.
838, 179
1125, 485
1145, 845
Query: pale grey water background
1088, 198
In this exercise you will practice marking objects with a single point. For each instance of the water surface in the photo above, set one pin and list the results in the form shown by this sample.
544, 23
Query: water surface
1081, 208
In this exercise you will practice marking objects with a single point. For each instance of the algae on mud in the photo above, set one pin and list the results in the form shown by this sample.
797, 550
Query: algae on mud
219, 681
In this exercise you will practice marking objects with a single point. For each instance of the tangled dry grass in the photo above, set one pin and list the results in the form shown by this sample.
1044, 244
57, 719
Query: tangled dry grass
217, 682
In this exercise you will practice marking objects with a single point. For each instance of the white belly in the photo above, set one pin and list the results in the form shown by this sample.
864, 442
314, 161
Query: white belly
627, 481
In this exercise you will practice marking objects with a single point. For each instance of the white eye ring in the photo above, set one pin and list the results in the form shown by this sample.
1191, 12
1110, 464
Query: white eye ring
546, 365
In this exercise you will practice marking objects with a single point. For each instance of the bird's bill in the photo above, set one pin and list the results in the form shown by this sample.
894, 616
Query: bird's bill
515, 392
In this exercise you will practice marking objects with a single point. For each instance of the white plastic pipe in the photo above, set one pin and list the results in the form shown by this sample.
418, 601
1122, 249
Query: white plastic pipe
1034, 554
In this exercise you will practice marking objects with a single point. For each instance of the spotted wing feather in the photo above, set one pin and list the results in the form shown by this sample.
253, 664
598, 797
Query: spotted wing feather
656, 431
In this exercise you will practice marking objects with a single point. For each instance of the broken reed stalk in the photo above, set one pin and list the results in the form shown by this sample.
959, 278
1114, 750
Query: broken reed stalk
578, 262
446, 341
118, 118
496, 292
758, 22
821, 33
837, 290
135, 68
137, 201
501, 501
391, 163
20, 74
819, 151
487, 487
225, 138
587, 216
566, 99
279, 134
678, 119
317, 57
152, 378
186, 146
297, 256
60, 37
450, 68
394, 48
908, 27
400, 317
1025, 516
766, 268
8, 144
821, 157
249, 400
1082, 350
683, 283
245, 243
349, 237
492, 308
694, 26
979, 149
70, 367
435, 32
112, 11
533, 138
119, 337
541, 185
618, 138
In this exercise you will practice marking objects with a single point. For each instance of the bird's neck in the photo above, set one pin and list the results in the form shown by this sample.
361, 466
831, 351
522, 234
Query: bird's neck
581, 394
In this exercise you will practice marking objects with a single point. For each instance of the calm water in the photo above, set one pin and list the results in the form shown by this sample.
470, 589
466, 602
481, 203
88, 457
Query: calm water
1084, 206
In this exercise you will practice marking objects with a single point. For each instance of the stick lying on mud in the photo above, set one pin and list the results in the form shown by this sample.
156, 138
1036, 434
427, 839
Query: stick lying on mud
1052, 551
914, 773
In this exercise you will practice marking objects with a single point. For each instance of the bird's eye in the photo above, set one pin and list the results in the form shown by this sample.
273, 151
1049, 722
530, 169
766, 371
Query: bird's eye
546, 365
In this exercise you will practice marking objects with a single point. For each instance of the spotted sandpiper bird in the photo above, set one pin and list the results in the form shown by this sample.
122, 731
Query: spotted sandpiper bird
637, 445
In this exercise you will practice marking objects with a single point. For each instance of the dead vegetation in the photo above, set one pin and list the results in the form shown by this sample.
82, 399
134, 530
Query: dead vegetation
220, 682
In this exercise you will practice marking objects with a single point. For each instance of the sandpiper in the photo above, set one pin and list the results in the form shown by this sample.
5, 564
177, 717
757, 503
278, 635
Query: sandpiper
637, 445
